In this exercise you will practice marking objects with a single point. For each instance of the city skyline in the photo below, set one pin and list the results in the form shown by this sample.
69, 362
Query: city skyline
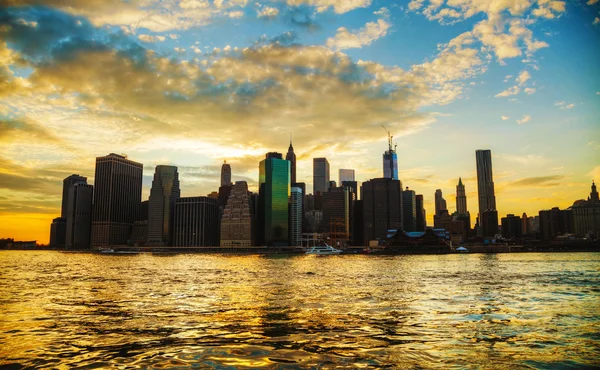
519, 79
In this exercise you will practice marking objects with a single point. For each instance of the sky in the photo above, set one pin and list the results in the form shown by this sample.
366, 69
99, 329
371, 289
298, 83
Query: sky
193, 83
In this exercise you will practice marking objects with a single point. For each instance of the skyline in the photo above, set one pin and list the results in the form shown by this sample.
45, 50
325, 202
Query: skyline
79, 82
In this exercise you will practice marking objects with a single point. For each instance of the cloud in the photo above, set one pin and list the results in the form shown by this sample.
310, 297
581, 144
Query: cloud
268, 12
592, 2
509, 92
537, 182
338, 6
235, 14
504, 118
563, 105
525, 119
383, 12
370, 32
523, 77
149, 38
596, 21
529, 90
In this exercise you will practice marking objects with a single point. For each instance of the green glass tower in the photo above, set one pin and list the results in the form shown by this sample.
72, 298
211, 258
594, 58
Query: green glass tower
274, 192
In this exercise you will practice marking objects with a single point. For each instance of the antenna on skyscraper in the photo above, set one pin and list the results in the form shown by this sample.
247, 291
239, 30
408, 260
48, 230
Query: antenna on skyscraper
390, 137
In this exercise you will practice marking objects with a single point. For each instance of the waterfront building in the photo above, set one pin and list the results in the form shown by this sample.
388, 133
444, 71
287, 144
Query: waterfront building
525, 224
421, 214
296, 216
512, 227
320, 175
382, 208
291, 157
336, 214
357, 224
225, 174
274, 192
143, 212
67, 183
139, 233
555, 222
586, 215
489, 223
117, 198
79, 216
196, 222
161, 205
313, 220
409, 209
485, 183
58, 232
237, 222
346, 175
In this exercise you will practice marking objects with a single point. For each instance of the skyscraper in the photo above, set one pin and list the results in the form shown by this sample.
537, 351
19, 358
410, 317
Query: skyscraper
485, 182
320, 175
67, 183
117, 198
390, 161
163, 194
274, 192
346, 175
196, 222
225, 174
421, 215
336, 214
382, 208
79, 216
409, 210
461, 198
440, 203
291, 156
296, 214
237, 222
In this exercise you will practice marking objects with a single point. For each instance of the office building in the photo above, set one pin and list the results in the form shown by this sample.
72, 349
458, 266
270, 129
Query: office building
196, 222
525, 229
421, 215
586, 216
58, 232
489, 223
390, 161
274, 192
353, 186
555, 222
336, 214
67, 183
291, 157
512, 227
382, 208
461, 198
485, 182
409, 210
346, 175
440, 203
117, 198
225, 174
237, 222
79, 216
320, 175
161, 205
296, 216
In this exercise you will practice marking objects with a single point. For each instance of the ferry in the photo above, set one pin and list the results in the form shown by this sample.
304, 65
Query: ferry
323, 250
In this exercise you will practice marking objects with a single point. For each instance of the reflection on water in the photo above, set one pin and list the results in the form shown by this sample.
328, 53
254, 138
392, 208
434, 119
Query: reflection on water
448, 311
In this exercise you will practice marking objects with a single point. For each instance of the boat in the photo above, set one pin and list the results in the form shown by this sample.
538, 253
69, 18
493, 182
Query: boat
323, 250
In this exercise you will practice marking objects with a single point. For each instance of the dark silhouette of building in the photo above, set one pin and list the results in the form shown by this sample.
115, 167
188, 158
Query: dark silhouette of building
525, 229
296, 216
382, 208
117, 198
489, 223
409, 207
555, 222
291, 157
586, 215
390, 161
161, 205
336, 214
274, 191
421, 214
79, 216
440, 203
58, 232
237, 222
512, 227
67, 183
225, 174
196, 222
485, 183
352, 185
358, 224
346, 175
320, 175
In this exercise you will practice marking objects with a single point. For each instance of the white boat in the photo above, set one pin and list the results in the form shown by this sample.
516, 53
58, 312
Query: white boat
323, 250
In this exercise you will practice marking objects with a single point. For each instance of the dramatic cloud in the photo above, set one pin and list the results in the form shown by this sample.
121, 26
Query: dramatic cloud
371, 31
524, 120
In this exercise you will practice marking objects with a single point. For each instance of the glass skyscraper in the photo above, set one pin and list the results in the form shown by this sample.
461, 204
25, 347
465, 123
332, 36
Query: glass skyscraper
390, 165
274, 192
320, 175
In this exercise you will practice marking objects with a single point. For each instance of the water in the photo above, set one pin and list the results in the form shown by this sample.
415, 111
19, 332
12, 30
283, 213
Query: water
217, 311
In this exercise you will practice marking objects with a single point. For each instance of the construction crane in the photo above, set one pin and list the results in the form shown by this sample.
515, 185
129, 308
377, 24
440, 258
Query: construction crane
390, 137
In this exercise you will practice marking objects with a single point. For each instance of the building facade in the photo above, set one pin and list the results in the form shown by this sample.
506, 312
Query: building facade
390, 164
196, 222
67, 183
58, 232
409, 210
336, 214
291, 157
320, 175
382, 208
274, 192
440, 203
79, 216
346, 175
461, 198
512, 227
161, 205
555, 222
237, 222
296, 215
586, 216
117, 199
485, 183
421, 214
489, 223
225, 174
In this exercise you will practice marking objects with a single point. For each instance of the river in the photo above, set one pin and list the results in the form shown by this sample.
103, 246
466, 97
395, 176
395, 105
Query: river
520, 310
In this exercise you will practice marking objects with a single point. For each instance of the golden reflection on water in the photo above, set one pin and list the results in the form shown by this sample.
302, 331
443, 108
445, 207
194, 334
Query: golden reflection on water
216, 311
